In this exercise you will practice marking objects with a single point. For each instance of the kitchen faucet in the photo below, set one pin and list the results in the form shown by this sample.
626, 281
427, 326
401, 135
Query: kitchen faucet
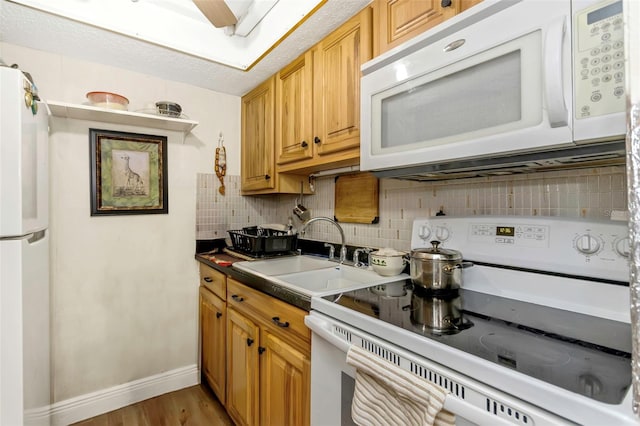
343, 248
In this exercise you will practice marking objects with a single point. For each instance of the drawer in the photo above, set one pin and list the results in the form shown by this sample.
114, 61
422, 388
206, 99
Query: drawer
279, 315
213, 280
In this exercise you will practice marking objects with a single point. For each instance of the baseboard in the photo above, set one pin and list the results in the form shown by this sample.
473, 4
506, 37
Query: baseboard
92, 404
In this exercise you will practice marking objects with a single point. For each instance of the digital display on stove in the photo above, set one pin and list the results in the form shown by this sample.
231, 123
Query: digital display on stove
505, 231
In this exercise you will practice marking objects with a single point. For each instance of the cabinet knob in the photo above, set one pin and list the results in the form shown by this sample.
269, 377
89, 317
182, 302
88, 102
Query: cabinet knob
317, 140
249, 341
267, 177
276, 321
208, 279
304, 144
218, 314
445, 3
237, 298
261, 349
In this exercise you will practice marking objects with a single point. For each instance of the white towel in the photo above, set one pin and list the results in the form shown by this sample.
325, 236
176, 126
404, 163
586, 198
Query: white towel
388, 395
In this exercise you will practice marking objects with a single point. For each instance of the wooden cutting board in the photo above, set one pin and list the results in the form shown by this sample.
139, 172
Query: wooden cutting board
357, 199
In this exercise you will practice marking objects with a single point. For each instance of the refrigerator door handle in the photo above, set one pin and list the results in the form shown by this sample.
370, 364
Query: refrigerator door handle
36, 236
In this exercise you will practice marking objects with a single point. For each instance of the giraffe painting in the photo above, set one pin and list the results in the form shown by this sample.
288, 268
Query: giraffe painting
130, 174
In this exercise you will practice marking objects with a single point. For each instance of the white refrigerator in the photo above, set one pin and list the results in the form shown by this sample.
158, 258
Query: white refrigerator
25, 382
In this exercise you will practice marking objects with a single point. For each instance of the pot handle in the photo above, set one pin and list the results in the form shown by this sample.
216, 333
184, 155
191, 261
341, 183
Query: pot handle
463, 265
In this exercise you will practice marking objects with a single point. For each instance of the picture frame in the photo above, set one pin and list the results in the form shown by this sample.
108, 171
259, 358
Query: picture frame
128, 173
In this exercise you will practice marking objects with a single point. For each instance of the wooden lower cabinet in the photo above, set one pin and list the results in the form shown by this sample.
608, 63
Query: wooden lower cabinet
256, 353
284, 383
268, 360
242, 369
213, 320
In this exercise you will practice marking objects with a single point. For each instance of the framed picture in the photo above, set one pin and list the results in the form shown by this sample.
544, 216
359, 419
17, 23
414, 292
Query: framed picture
128, 173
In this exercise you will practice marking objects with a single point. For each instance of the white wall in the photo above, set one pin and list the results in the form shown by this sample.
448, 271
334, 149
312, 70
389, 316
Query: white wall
124, 288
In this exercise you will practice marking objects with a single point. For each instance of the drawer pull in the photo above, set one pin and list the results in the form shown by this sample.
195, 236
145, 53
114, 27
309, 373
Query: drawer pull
249, 341
276, 321
237, 298
208, 279
218, 314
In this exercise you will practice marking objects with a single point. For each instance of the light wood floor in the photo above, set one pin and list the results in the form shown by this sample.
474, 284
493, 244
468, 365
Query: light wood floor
194, 406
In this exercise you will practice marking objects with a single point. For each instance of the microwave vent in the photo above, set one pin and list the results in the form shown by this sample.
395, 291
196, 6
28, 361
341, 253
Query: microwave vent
576, 157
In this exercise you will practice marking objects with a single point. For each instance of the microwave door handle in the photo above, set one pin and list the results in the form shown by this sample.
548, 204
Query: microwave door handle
558, 115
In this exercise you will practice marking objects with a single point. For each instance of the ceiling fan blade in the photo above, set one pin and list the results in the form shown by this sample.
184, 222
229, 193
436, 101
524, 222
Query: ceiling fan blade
217, 12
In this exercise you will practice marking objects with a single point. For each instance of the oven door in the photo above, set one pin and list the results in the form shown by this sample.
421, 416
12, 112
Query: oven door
333, 380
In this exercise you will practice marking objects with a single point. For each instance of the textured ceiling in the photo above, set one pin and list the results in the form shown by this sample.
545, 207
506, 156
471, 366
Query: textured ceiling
35, 29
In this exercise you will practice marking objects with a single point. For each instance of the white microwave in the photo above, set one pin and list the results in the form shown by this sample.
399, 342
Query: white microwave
503, 83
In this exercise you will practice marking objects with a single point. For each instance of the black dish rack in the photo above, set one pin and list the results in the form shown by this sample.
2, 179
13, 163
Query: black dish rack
259, 241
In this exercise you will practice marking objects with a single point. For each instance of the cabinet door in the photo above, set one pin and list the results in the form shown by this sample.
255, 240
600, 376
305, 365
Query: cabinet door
213, 341
242, 369
466, 4
400, 20
258, 159
284, 383
337, 60
293, 111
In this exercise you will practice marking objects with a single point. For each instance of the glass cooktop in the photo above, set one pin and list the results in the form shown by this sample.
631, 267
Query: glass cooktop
584, 354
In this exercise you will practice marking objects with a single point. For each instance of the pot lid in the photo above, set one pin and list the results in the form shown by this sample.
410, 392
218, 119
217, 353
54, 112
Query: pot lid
436, 253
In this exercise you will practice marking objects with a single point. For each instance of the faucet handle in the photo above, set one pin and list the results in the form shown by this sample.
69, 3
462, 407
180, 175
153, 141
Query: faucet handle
332, 250
356, 255
343, 253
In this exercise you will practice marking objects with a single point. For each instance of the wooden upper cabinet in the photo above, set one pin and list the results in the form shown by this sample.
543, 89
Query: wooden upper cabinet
336, 106
318, 100
466, 4
397, 21
257, 138
293, 111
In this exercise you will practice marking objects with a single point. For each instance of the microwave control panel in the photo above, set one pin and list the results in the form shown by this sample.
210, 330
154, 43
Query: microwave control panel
599, 60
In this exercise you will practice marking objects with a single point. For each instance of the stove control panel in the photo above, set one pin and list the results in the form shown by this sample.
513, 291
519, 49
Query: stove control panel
598, 249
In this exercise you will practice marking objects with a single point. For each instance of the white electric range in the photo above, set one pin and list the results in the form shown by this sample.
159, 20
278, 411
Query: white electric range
542, 333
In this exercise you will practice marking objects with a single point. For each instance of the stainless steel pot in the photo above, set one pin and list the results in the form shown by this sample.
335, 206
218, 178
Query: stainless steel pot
437, 268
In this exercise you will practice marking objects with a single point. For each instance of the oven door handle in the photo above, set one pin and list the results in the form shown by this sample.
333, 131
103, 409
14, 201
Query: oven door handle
323, 329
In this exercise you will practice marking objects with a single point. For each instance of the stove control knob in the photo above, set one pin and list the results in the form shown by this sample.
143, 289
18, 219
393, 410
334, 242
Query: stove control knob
587, 244
424, 232
622, 247
442, 233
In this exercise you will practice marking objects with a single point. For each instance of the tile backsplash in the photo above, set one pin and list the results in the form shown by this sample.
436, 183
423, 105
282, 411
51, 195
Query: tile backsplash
592, 193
